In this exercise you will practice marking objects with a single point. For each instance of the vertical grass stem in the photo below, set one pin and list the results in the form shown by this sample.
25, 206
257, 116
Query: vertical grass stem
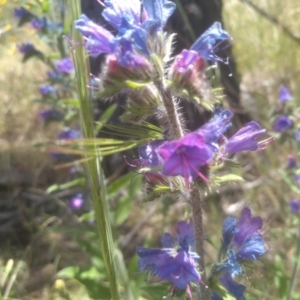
95, 172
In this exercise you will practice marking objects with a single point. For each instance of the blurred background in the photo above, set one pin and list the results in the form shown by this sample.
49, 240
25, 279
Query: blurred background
47, 234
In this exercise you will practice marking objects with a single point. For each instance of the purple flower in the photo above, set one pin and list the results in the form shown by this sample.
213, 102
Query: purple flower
64, 65
158, 12
214, 129
228, 230
244, 240
22, 12
50, 114
176, 265
204, 45
115, 10
245, 139
148, 155
247, 226
46, 90
291, 162
54, 75
98, 38
27, 48
297, 178
186, 69
184, 157
295, 206
284, 94
39, 23
76, 202
69, 134
297, 135
235, 289
282, 124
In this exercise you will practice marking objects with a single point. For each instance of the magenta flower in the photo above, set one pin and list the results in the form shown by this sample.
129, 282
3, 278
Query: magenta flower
76, 202
245, 139
184, 157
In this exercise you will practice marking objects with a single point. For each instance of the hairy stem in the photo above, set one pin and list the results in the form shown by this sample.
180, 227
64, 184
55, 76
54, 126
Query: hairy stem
174, 125
196, 203
195, 195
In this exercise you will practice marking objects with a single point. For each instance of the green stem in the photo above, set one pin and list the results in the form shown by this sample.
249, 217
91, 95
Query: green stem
95, 172
294, 279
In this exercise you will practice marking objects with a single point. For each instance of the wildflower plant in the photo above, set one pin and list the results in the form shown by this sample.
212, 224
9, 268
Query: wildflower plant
139, 64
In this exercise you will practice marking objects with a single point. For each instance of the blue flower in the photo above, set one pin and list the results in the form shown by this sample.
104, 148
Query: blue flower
284, 94
69, 134
148, 155
64, 65
176, 265
116, 9
27, 48
297, 135
291, 162
39, 23
158, 13
282, 123
228, 230
98, 38
204, 45
47, 90
243, 240
235, 289
245, 139
216, 127
22, 12
295, 206
50, 114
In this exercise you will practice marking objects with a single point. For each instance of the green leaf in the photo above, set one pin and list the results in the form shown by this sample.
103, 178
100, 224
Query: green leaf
119, 183
69, 102
45, 6
68, 272
59, 187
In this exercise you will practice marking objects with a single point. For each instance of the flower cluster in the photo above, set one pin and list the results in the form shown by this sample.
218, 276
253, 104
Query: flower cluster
195, 151
175, 262
139, 64
286, 115
242, 242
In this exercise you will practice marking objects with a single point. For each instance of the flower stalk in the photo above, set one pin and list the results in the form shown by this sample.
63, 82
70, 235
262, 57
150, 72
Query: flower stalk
195, 194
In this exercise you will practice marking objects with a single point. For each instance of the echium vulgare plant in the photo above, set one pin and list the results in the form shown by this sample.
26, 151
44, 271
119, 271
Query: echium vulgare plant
139, 64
